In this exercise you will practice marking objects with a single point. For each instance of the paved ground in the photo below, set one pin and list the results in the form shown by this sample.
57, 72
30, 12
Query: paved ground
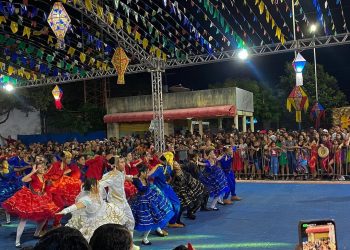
267, 218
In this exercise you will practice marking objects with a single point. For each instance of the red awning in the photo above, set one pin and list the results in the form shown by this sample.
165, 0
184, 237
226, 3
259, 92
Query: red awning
173, 114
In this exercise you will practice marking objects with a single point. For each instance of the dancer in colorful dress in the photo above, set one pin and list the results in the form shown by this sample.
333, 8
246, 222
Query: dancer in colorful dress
31, 203
214, 179
63, 188
90, 210
189, 190
10, 183
151, 209
114, 181
161, 175
226, 163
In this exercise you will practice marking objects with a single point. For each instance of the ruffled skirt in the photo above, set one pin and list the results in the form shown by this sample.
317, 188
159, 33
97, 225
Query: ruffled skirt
110, 213
27, 205
130, 189
151, 210
215, 182
188, 189
65, 190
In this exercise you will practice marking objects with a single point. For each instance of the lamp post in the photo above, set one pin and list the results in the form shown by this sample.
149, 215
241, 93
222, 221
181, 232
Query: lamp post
313, 30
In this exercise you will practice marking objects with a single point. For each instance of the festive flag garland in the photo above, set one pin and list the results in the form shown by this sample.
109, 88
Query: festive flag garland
263, 9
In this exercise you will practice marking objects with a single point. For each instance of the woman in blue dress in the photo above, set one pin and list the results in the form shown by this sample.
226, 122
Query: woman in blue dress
151, 209
161, 175
10, 183
213, 179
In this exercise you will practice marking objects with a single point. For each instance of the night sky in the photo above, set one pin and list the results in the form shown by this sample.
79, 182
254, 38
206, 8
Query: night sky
266, 69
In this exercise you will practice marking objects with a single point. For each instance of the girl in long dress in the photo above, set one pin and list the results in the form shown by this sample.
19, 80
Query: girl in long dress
115, 182
31, 203
90, 210
213, 179
151, 209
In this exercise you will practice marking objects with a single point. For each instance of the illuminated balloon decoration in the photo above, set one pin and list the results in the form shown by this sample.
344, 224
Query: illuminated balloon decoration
59, 20
299, 101
120, 62
57, 95
317, 113
299, 65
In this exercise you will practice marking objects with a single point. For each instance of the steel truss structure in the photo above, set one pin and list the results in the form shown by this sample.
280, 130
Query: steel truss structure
269, 49
147, 62
158, 118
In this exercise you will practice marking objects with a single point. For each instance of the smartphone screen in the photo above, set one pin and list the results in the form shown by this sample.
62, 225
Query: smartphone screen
317, 235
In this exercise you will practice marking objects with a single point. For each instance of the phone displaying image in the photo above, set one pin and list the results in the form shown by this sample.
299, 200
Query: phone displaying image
317, 235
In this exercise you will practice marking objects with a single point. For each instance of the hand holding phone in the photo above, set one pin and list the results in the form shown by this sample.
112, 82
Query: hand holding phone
317, 234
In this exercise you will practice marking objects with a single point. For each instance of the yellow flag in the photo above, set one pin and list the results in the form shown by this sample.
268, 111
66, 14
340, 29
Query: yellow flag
2, 19
50, 40
128, 29
10, 70
20, 72
164, 56
144, 43
26, 32
261, 7
91, 61
82, 57
273, 23
256, 2
137, 37
158, 53
104, 66
35, 77
27, 74
120, 23
267, 16
98, 64
14, 27
99, 11
71, 51
88, 5
110, 18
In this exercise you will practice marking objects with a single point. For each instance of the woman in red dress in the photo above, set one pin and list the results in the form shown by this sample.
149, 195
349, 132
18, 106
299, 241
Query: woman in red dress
31, 203
132, 171
63, 188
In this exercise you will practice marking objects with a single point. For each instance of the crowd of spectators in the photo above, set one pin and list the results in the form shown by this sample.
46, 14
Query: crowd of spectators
265, 154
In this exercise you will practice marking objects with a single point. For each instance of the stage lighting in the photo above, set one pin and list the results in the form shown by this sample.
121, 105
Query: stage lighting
9, 87
243, 54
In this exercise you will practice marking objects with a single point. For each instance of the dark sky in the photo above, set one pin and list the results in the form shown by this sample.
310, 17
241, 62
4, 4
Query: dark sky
263, 68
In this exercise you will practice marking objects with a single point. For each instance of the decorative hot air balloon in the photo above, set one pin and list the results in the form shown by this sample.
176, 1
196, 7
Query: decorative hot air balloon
59, 20
57, 94
299, 100
120, 62
317, 113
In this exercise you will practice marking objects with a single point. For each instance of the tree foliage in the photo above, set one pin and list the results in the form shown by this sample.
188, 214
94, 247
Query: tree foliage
266, 105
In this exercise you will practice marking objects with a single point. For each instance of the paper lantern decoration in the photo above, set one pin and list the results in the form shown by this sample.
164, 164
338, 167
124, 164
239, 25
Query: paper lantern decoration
120, 62
57, 95
299, 100
59, 20
317, 113
298, 65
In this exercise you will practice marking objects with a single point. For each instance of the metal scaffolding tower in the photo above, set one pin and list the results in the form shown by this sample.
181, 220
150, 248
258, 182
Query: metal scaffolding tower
158, 118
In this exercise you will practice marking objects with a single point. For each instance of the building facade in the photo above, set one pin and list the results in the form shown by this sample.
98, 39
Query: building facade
134, 114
